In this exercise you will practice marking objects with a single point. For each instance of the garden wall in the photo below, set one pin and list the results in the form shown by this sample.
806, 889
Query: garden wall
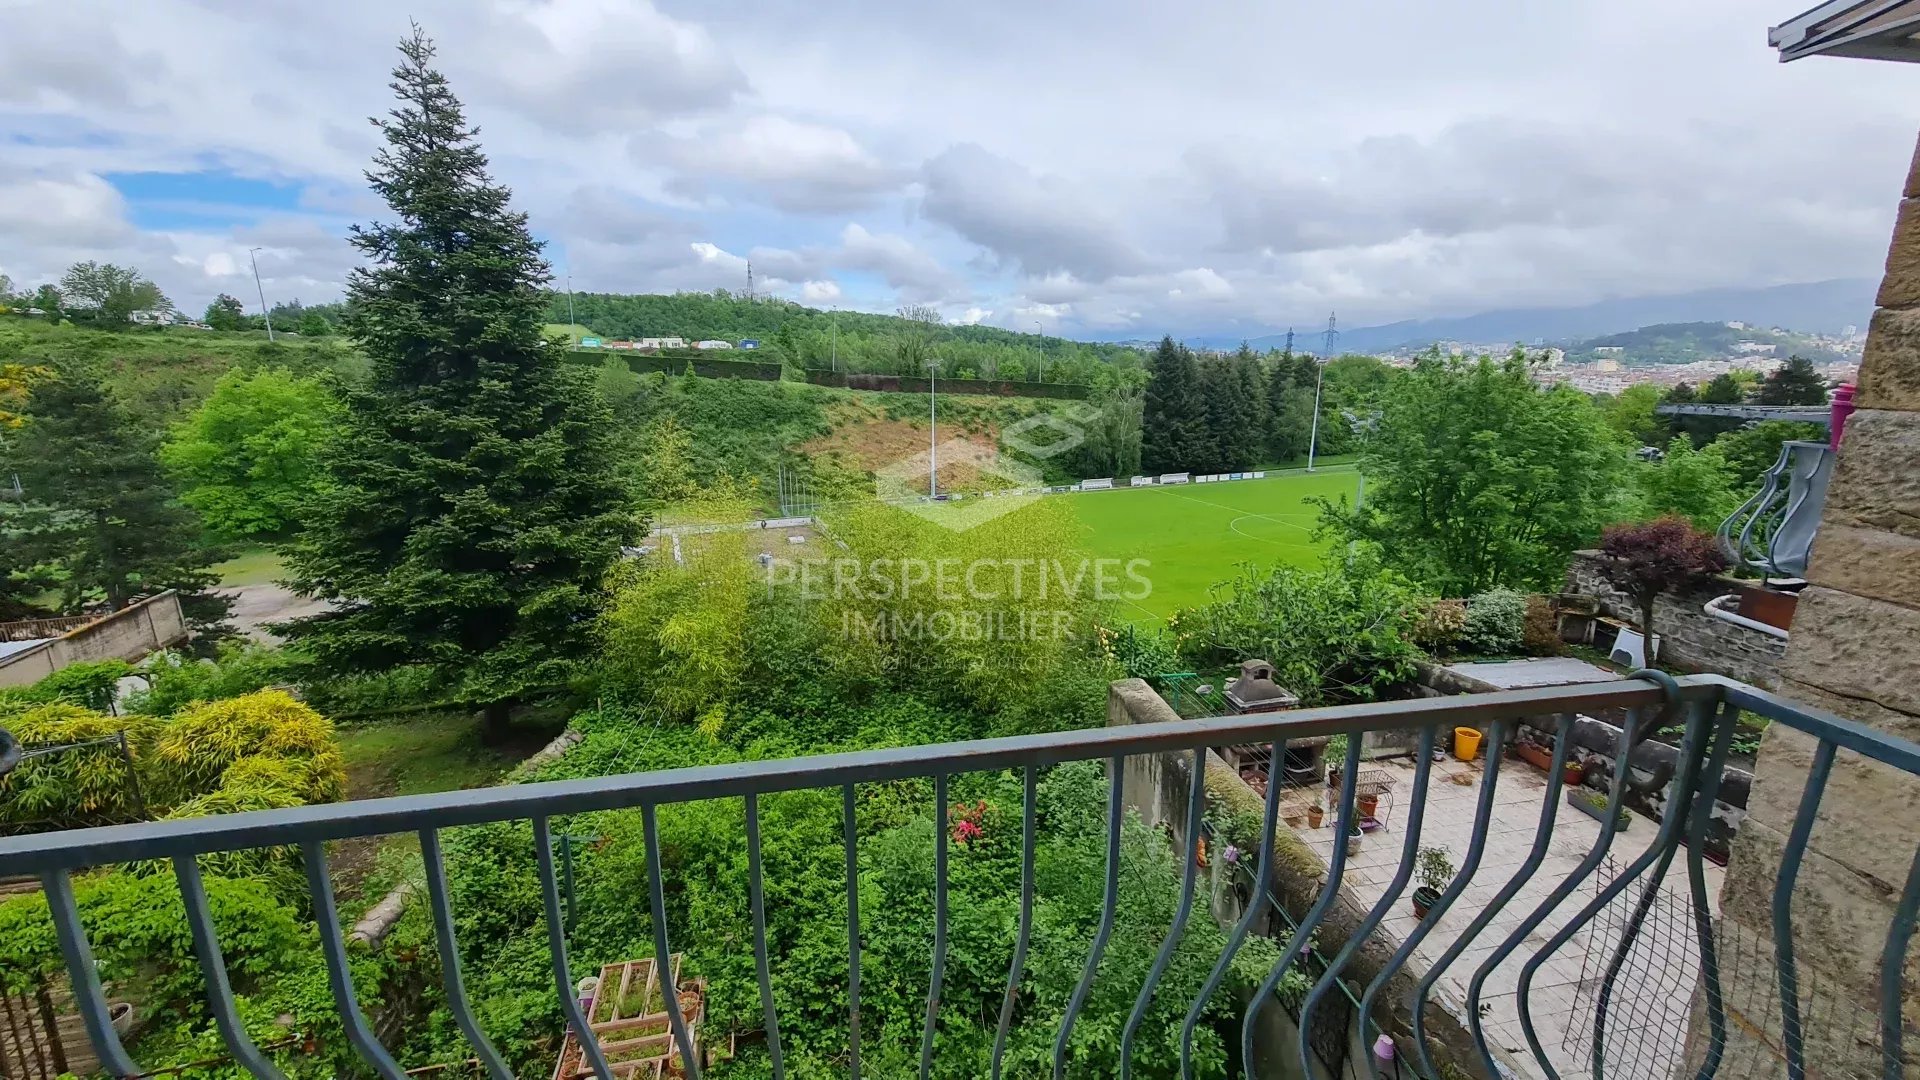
1689, 637
1157, 787
131, 634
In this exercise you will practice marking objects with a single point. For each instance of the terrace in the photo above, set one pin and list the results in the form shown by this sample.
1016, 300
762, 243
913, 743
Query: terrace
1534, 891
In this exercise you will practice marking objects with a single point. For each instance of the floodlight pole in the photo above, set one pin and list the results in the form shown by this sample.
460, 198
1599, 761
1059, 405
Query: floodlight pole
933, 435
571, 323
1313, 439
264, 313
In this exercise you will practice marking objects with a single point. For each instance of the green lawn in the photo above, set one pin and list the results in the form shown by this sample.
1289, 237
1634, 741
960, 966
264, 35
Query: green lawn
253, 568
1195, 534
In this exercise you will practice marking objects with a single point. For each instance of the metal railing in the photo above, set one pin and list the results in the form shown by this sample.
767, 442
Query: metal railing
1773, 531
1711, 707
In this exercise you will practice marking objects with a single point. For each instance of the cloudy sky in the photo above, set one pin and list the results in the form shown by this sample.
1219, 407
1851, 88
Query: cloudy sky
1096, 167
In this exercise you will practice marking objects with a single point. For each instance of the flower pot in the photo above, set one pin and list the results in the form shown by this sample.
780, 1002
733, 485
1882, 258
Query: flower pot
1423, 900
1769, 606
1466, 743
1315, 815
1534, 754
1369, 807
1578, 799
1354, 836
1573, 774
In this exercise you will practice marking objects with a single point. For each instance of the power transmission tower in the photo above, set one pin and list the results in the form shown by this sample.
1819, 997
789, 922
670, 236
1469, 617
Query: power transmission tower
749, 279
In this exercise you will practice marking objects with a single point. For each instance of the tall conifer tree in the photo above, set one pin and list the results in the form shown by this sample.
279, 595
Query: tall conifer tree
468, 507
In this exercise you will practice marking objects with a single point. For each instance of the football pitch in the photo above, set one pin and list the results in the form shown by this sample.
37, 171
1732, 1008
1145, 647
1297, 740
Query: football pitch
1196, 534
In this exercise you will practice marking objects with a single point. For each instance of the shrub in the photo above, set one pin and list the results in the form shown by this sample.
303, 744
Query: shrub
1439, 624
90, 684
1646, 559
1338, 632
1140, 653
1496, 622
1541, 632
200, 745
175, 680
88, 784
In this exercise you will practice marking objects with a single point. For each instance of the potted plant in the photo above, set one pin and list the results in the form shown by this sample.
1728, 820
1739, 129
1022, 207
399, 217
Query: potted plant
1594, 805
1533, 754
1368, 807
1434, 869
1315, 815
1573, 774
1335, 755
1354, 836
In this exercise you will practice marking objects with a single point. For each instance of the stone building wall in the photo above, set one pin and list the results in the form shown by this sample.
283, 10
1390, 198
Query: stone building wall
1689, 637
1855, 651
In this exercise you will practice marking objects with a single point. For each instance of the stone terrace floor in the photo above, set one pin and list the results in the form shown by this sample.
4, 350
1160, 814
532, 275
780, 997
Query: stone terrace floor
1649, 1010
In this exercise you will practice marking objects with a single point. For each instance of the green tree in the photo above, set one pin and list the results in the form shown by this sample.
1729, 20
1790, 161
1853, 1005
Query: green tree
103, 512
468, 508
1722, 389
1477, 477
1752, 450
1793, 383
1693, 484
314, 324
1174, 422
1631, 415
617, 382
245, 458
47, 298
112, 293
226, 313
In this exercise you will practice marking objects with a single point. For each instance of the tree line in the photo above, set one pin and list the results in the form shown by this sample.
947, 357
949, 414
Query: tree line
1213, 413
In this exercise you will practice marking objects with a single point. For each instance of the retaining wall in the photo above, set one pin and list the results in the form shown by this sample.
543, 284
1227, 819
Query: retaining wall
131, 634
1689, 637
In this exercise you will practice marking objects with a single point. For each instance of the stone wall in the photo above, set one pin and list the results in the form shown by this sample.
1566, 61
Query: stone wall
130, 634
1855, 651
1689, 637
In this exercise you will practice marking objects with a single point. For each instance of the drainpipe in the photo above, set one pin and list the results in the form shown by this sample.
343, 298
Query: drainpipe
1714, 609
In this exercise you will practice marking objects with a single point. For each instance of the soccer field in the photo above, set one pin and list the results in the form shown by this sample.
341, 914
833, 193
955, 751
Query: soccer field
1195, 534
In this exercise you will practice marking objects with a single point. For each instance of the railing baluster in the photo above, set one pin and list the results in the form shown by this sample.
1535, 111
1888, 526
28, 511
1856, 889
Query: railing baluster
1542, 841
1116, 815
1539, 914
851, 839
450, 957
1688, 788
1336, 871
1702, 912
1409, 852
756, 892
577, 1019
206, 949
1255, 906
1470, 865
339, 976
1026, 919
1661, 851
1893, 963
939, 922
84, 976
1796, 850
1196, 808
662, 955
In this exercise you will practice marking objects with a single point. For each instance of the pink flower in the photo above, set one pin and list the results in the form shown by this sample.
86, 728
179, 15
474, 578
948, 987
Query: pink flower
967, 830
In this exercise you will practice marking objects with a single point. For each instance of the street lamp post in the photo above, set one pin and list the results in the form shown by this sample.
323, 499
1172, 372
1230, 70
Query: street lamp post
1313, 438
264, 313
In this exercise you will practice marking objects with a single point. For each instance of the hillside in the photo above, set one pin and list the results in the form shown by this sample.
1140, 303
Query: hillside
845, 340
1684, 343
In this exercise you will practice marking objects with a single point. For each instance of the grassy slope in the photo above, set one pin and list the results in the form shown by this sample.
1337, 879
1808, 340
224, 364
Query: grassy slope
1195, 534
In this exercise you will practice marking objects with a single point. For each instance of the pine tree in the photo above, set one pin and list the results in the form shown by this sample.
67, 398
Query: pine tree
1173, 424
468, 509
1793, 383
98, 507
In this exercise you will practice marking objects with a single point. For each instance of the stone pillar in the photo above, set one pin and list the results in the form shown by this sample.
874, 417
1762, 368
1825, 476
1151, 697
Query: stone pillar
1854, 651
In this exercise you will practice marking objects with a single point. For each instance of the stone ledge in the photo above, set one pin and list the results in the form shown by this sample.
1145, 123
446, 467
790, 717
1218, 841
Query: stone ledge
1890, 369
1867, 562
1876, 482
1859, 792
1856, 647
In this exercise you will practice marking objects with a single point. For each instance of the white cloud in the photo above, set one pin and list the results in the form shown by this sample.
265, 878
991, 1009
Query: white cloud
817, 293
793, 165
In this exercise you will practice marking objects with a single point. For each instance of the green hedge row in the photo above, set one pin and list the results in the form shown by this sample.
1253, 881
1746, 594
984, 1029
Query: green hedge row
675, 362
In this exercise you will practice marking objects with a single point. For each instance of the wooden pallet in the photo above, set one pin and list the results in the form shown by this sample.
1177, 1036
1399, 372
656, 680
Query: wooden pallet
628, 1018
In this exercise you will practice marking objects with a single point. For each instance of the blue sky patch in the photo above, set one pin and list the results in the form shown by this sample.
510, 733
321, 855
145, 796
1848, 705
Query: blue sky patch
212, 198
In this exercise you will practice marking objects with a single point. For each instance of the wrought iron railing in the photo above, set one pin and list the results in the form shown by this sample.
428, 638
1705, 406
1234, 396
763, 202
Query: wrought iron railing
1773, 531
1711, 708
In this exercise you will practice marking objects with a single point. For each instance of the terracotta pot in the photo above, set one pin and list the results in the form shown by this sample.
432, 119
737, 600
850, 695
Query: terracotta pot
1769, 606
1315, 816
1369, 806
1534, 754
1573, 774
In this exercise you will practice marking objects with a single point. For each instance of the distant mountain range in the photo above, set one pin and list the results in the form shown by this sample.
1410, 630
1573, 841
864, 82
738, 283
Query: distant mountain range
1822, 307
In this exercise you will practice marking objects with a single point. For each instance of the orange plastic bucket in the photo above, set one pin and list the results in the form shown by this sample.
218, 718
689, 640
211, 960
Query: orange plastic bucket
1466, 743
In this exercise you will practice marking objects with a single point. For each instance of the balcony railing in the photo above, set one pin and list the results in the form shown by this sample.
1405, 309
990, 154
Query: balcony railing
1709, 708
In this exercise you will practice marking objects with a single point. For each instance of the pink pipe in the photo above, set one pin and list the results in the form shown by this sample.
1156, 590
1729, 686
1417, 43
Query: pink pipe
1842, 408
